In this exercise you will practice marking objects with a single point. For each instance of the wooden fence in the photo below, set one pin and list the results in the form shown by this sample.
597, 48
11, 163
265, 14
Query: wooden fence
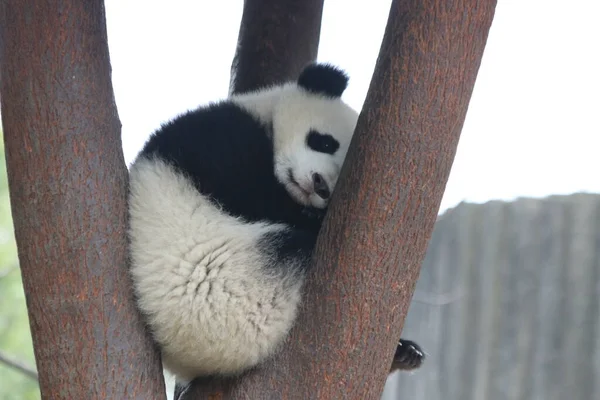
508, 304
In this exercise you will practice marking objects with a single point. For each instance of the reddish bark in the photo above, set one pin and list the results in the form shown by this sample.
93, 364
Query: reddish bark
370, 251
277, 39
68, 185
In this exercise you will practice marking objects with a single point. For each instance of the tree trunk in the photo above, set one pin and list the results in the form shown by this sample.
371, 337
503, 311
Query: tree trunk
382, 214
277, 39
68, 188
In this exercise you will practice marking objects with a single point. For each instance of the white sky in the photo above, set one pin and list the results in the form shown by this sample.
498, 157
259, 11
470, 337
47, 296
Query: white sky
532, 128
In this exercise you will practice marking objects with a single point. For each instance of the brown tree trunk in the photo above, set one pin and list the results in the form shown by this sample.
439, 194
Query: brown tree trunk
68, 185
277, 39
373, 242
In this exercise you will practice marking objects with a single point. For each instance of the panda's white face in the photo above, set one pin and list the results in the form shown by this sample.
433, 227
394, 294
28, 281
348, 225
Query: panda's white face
311, 135
311, 130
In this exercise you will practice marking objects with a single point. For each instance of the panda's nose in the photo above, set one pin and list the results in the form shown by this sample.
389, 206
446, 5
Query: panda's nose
320, 186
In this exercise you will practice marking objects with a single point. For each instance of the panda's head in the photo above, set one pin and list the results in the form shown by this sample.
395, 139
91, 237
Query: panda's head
312, 128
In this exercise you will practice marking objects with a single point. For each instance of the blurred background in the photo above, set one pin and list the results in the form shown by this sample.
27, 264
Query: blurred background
508, 302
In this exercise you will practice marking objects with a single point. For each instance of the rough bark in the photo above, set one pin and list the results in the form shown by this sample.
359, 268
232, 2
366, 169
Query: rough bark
371, 247
370, 250
277, 39
68, 185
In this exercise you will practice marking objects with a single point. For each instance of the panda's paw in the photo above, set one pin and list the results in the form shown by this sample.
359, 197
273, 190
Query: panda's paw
408, 356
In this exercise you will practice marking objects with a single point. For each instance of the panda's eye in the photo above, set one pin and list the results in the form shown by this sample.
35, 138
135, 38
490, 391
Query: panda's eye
323, 143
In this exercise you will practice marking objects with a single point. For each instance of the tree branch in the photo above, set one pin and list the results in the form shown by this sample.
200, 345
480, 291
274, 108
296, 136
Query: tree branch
68, 191
373, 242
277, 39
19, 366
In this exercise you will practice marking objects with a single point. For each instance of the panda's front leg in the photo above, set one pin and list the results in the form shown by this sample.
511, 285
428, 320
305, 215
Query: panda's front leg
289, 249
408, 356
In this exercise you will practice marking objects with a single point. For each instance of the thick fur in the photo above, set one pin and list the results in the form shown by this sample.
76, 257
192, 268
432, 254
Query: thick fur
224, 215
324, 79
408, 356
291, 113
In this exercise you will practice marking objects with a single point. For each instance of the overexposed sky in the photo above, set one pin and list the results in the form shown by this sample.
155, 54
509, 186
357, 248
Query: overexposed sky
532, 128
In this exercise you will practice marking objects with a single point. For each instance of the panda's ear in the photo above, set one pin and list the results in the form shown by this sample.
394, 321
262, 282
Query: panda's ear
323, 79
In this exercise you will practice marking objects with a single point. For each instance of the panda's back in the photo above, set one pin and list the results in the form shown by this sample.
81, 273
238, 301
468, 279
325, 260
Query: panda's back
228, 156
210, 270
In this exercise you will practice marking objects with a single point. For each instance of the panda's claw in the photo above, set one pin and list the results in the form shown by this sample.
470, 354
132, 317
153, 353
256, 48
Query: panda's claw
408, 356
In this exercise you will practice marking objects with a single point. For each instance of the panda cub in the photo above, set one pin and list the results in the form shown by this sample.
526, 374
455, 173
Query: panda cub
225, 205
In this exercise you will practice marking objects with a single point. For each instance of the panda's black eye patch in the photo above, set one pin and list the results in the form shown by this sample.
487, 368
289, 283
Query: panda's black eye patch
323, 143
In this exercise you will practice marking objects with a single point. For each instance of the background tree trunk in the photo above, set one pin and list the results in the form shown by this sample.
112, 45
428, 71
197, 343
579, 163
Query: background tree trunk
68, 186
277, 39
373, 242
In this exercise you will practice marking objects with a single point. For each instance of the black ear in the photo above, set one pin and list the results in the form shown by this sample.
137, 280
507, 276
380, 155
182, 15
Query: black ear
323, 79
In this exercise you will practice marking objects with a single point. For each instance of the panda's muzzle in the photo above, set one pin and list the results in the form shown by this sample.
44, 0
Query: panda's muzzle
320, 186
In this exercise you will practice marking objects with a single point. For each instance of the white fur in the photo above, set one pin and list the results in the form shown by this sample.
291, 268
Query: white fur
293, 112
214, 301
198, 278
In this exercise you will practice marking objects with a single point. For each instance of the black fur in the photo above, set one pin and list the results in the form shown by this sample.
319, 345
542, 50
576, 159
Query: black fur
408, 356
323, 79
322, 142
228, 155
288, 244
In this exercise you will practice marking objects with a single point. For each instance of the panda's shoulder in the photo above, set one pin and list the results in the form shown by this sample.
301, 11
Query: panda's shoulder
226, 154
213, 126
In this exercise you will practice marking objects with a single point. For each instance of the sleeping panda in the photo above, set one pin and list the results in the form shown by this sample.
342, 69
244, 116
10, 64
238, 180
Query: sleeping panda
225, 205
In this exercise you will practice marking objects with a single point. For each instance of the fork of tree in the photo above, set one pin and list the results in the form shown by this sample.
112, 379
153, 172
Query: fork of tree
68, 185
